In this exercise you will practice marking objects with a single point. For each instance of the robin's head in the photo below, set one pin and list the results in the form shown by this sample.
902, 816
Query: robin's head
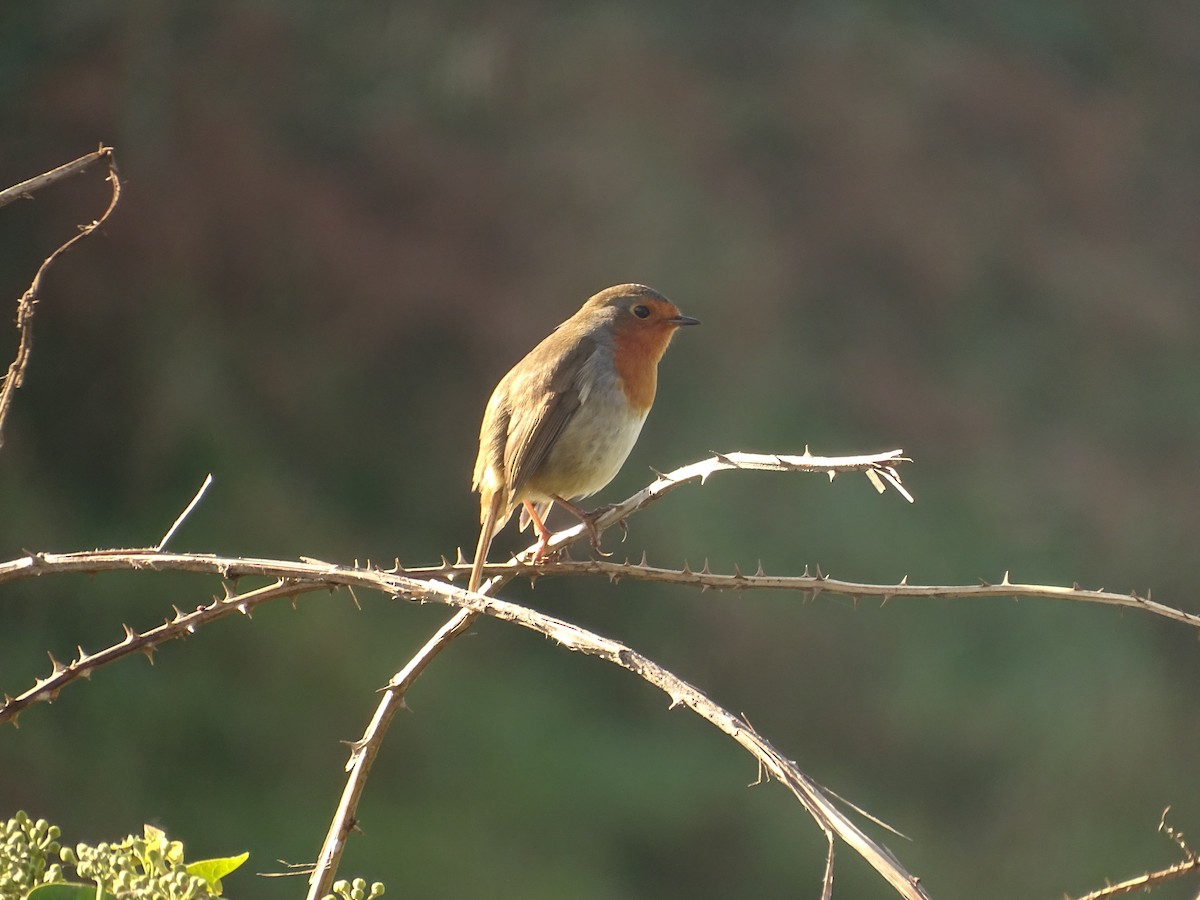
638, 313
641, 322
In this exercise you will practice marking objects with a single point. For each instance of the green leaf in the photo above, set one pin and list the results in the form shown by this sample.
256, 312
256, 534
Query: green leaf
213, 870
68, 891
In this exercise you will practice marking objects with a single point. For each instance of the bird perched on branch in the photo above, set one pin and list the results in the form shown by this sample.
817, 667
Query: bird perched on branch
560, 424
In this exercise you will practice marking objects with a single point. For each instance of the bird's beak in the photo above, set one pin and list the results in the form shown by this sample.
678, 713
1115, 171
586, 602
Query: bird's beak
683, 320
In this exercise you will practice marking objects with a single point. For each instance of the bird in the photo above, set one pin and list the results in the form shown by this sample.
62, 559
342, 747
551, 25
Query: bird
561, 423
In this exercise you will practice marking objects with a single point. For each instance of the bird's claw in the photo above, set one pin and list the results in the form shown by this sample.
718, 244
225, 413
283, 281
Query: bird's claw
589, 522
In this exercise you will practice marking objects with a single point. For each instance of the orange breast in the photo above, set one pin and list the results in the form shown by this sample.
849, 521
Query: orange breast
636, 352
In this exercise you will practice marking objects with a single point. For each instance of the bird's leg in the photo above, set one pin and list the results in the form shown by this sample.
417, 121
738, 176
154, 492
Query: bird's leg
588, 519
543, 544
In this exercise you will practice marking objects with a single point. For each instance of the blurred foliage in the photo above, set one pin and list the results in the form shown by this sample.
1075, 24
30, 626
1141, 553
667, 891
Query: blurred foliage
968, 230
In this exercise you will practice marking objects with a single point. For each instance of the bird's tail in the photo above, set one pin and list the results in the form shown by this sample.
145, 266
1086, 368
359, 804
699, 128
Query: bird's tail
491, 522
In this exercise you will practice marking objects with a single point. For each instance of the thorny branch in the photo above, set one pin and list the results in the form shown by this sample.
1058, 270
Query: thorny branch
571, 636
28, 301
365, 749
1144, 883
811, 585
880, 468
289, 579
295, 578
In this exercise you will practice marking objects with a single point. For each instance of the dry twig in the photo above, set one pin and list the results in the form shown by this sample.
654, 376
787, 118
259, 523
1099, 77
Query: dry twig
880, 467
294, 578
28, 301
809, 584
1144, 883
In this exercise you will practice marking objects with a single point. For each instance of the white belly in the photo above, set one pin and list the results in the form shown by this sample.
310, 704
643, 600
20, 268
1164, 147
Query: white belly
591, 449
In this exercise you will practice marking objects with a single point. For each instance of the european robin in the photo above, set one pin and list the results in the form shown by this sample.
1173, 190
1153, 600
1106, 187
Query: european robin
560, 424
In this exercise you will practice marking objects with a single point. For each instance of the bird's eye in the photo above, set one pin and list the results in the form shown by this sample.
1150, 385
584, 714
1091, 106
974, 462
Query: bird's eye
642, 312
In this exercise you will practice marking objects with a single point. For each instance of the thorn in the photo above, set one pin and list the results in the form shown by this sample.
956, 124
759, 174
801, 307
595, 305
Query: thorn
178, 614
445, 562
644, 563
892, 476
244, 609
706, 570
56, 667
886, 598
876, 481
737, 572
1004, 582
685, 570
723, 459
903, 582
805, 575
1075, 586
820, 575
832, 474
759, 573
1148, 590
983, 583
149, 651
129, 634
82, 654
807, 454
460, 560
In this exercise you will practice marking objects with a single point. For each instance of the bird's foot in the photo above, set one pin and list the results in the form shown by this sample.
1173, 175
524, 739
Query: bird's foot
589, 522
542, 552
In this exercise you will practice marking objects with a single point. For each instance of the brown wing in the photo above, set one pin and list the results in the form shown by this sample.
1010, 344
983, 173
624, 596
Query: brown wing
544, 396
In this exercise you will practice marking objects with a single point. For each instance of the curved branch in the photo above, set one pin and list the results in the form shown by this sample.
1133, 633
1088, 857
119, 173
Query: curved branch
296, 578
365, 749
28, 301
880, 468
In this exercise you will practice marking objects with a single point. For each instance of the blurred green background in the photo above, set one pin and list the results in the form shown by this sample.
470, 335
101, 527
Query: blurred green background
969, 230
